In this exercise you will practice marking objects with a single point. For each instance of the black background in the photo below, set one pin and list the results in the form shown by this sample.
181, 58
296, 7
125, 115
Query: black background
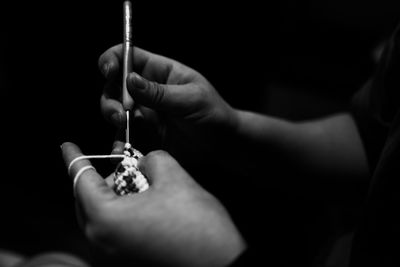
293, 59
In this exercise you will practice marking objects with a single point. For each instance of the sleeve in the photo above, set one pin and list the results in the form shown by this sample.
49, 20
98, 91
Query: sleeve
375, 105
372, 130
377, 235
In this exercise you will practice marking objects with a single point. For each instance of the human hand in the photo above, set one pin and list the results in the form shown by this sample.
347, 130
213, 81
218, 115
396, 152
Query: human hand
174, 223
172, 100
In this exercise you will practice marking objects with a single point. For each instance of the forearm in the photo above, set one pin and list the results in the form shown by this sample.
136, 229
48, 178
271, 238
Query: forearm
329, 145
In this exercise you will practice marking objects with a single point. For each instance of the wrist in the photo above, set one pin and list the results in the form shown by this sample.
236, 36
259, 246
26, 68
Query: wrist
234, 122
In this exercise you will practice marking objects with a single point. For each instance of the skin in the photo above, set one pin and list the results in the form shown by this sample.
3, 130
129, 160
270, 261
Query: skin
174, 223
172, 100
49, 259
187, 115
179, 102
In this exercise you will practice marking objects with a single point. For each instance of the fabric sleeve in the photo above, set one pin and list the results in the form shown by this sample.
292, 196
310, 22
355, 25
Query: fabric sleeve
375, 105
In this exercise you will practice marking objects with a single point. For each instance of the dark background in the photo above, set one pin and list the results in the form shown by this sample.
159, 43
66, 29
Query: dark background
293, 59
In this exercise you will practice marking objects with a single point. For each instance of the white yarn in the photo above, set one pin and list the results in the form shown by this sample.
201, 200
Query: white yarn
92, 157
128, 160
79, 174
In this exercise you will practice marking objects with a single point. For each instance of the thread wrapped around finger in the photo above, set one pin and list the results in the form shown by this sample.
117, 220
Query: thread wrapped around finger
128, 179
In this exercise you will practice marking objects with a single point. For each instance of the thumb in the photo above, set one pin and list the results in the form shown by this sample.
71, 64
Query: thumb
169, 97
161, 168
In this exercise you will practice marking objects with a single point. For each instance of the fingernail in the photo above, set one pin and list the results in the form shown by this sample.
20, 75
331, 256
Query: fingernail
138, 114
62, 145
115, 150
138, 81
105, 69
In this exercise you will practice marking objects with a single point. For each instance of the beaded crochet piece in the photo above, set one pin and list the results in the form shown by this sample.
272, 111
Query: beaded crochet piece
127, 177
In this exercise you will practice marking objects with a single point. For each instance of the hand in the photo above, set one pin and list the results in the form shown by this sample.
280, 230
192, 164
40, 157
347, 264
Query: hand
174, 223
176, 101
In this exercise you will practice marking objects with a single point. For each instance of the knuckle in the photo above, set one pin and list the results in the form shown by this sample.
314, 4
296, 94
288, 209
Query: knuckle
158, 93
101, 60
200, 95
201, 92
108, 55
104, 64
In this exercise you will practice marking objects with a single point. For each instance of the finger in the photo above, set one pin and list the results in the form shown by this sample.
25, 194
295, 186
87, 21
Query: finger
110, 181
182, 99
161, 168
109, 64
138, 113
110, 61
91, 189
152, 66
148, 115
117, 149
178, 96
111, 107
118, 146
110, 103
112, 111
